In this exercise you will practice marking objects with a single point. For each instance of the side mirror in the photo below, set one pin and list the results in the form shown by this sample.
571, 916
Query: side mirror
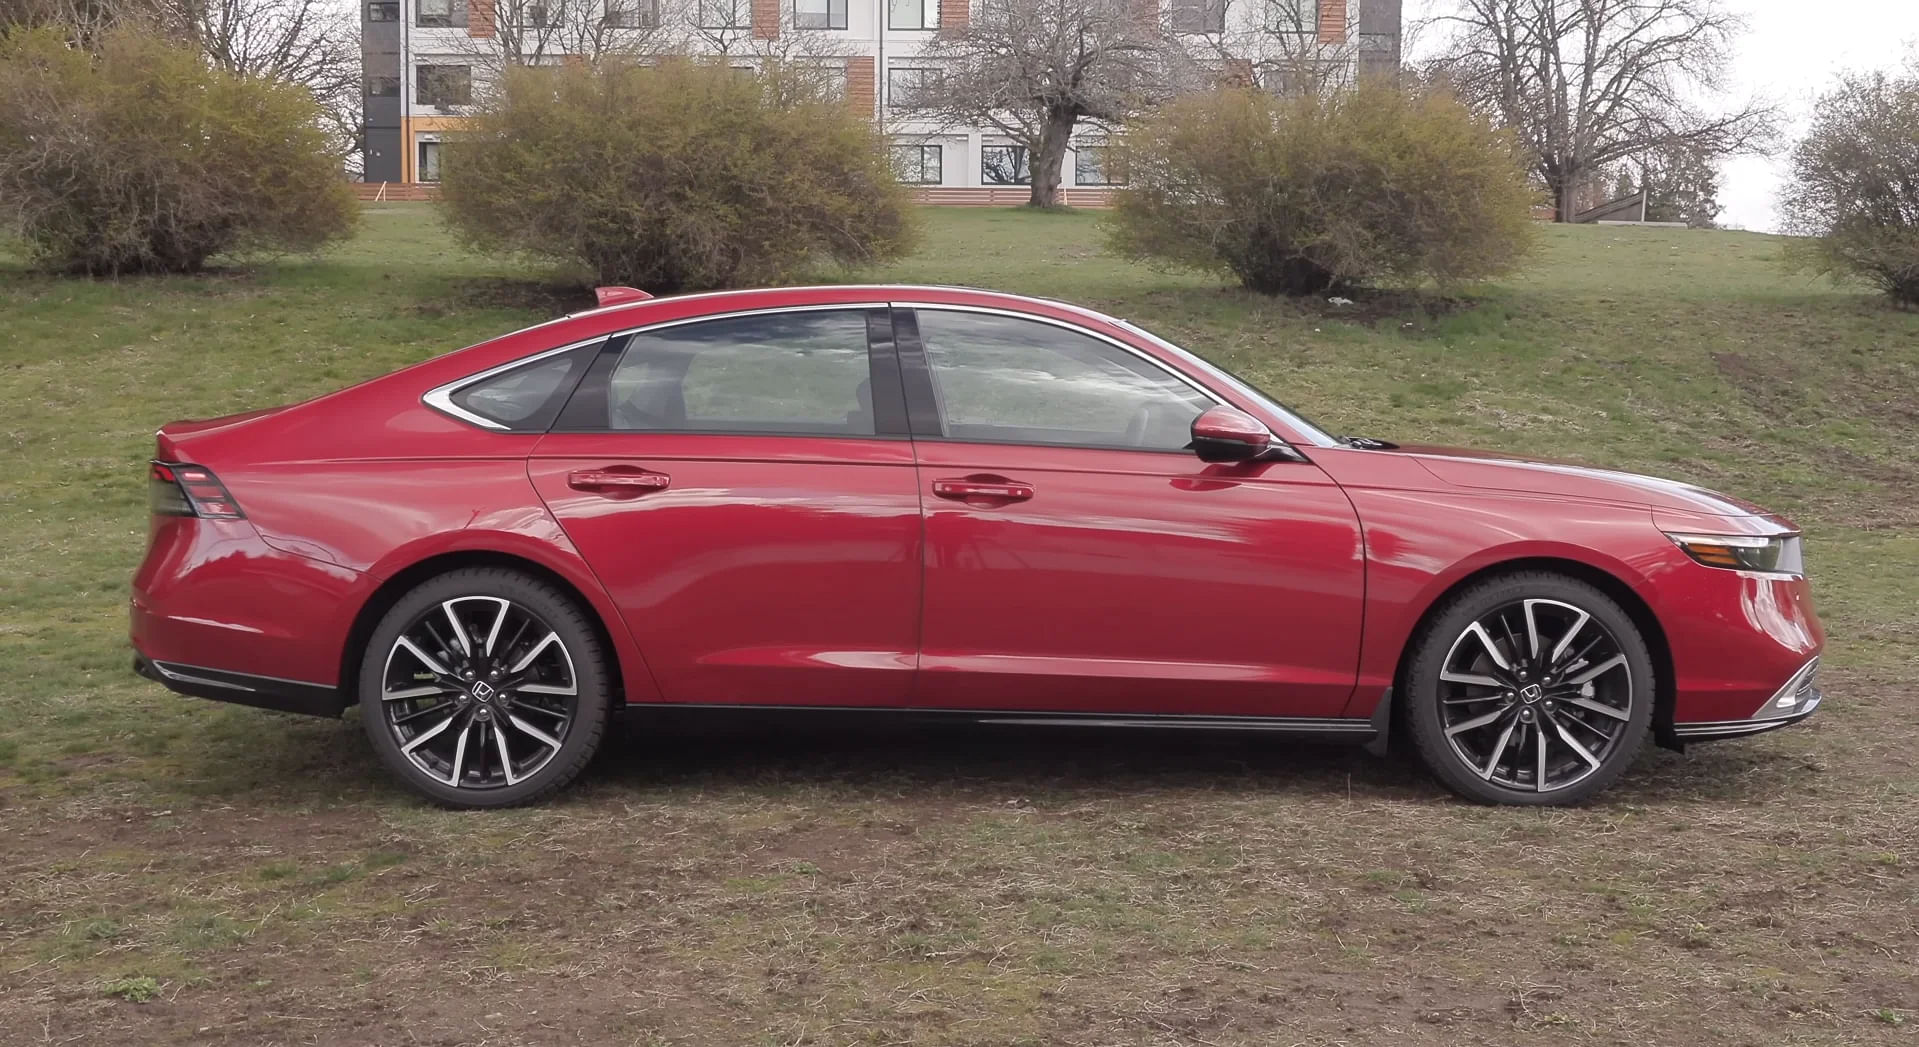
1227, 434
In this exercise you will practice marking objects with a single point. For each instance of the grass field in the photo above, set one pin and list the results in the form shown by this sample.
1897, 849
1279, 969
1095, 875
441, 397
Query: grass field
175, 871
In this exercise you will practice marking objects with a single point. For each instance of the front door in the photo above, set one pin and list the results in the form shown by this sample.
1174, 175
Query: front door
750, 505
1080, 560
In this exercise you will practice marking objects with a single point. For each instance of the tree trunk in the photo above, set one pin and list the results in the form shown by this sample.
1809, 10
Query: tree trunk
1563, 201
1048, 160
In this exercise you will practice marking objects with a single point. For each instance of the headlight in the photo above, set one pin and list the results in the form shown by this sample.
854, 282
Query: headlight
1765, 554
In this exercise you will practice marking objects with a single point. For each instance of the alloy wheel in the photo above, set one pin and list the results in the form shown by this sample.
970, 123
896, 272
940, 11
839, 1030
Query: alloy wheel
479, 692
1535, 695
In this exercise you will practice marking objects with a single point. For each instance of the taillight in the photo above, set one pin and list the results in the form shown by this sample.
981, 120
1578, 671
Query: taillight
180, 489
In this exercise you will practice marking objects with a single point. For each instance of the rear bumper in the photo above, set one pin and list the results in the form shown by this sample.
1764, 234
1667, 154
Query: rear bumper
261, 692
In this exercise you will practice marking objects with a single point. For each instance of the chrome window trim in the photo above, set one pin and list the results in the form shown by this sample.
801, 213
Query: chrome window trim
1133, 351
440, 397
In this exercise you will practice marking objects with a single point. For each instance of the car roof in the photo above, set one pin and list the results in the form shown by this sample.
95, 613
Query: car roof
713, 302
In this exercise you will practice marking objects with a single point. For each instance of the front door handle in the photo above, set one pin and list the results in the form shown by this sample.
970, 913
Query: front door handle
617, 481
982, 488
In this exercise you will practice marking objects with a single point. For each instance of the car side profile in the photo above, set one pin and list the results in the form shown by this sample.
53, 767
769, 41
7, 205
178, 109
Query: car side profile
937, 502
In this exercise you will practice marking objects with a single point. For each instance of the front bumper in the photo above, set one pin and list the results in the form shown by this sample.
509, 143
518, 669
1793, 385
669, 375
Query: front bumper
1797, 699
261, 692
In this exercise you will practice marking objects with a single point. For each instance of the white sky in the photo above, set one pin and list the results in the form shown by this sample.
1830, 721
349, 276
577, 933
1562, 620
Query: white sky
1790, 52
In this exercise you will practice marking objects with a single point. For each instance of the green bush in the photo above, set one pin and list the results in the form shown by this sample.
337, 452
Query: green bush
1854, 185
137, 156
679, 176
1300, 195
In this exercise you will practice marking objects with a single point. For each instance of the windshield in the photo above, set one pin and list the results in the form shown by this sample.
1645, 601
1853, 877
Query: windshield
1245, 388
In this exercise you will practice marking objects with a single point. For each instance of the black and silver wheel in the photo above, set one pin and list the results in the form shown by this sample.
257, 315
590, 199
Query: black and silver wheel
484, 688
1532, 688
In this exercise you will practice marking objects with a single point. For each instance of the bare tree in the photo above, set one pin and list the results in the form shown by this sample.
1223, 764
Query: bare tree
1033, 69
312, 43
1585, 83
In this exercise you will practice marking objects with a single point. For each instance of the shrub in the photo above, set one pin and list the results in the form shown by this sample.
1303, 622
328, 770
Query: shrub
1299, 195
1853, 186
679, 176
136, 155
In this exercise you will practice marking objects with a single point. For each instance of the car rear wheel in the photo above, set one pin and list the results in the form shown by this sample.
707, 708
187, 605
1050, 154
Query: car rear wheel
1531, 688
484, 687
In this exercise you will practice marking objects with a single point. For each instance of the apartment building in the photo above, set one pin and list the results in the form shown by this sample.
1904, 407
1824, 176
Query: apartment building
426, 59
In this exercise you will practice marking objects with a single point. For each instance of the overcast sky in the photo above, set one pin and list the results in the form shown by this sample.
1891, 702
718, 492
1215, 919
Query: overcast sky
1789, 53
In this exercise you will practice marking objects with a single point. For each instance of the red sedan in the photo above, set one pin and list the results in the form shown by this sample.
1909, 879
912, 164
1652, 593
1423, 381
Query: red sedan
937, 502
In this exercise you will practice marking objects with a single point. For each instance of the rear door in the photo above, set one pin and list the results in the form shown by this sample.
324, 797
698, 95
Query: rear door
744, 487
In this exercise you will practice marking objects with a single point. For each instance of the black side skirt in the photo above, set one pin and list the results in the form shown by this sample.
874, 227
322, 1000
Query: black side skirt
261, 692
1328, 728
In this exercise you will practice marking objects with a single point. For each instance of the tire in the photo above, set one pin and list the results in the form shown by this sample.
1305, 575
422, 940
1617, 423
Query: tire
468, 718
1576, 683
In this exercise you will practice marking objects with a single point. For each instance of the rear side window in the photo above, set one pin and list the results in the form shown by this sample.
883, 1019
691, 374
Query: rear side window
803, 373
527, 397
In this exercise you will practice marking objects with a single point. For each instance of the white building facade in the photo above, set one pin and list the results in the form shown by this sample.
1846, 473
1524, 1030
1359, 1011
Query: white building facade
426, 59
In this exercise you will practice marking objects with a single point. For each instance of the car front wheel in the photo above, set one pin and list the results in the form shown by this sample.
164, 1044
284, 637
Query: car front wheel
484, 687
1531, 688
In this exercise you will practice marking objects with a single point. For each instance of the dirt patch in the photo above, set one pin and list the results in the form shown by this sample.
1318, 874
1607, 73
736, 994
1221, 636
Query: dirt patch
980, 887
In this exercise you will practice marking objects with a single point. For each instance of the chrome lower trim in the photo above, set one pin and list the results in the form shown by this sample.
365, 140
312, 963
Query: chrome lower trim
1707, 730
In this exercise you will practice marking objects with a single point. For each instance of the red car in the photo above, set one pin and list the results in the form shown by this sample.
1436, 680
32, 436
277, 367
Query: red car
937, 502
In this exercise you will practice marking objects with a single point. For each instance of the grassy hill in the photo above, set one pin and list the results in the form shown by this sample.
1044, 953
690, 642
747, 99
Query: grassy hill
260, 871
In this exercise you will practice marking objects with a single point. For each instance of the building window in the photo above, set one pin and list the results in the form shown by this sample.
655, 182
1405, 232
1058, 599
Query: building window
1303, 76
429, 166
825, 80
724, 14
1091, 165
917, 164
383, 12
531, 16
1198, 16
632, 14
913, 88
913, 14
445, 85
819, 14
441, 14
383, 87
1292, 16
1004, 165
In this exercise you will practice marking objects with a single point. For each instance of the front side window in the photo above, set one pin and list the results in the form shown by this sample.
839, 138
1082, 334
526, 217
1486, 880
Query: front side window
1004, 165
526, 397
1003, 379
913, 87
445, 85
440, 13
819, 14
917, 164
802, 373
724, 14
913, 14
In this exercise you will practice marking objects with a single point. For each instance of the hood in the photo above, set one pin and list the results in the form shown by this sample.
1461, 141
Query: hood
1492, 470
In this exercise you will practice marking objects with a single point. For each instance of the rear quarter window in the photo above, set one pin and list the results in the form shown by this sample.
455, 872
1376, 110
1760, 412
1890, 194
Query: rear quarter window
526, 397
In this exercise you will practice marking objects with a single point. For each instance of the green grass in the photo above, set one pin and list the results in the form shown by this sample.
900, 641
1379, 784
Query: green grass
258, 874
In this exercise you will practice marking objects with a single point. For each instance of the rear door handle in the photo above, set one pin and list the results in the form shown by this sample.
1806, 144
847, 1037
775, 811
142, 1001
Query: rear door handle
982, 487
618, 481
